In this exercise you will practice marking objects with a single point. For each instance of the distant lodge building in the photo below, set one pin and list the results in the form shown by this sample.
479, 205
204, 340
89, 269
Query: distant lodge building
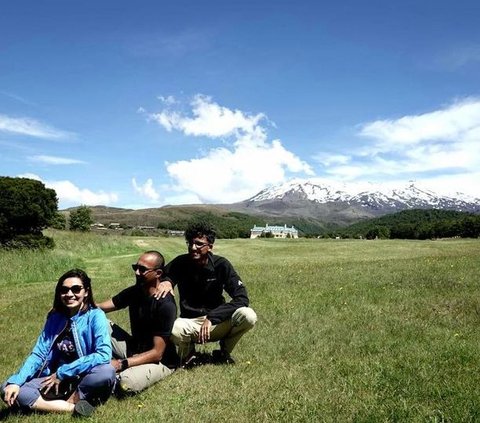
171, 232
275, 231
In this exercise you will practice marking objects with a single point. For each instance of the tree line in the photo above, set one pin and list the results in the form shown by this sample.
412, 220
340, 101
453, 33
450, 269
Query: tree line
417, 224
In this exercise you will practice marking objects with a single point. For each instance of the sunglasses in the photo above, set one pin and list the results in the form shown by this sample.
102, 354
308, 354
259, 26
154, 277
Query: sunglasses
76, 289
142, 269
197, 244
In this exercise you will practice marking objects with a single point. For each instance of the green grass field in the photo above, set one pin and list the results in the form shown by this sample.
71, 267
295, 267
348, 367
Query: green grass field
348, 330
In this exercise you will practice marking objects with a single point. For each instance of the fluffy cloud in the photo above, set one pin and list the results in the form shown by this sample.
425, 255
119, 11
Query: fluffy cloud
234, 171
31, 127
447, 125
423, 147
209, 119
146, 190
70, 195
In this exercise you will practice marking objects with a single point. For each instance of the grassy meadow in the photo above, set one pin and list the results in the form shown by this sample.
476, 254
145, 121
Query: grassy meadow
348, 330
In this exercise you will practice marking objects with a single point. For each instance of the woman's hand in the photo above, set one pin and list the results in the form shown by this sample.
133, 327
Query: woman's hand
11, 393
51, 382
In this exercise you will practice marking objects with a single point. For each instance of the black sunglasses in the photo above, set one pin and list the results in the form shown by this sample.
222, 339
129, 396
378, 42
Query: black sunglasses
142, 269
76, 289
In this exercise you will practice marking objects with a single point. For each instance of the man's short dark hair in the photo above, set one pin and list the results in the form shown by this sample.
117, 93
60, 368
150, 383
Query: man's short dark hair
159, 259
199, 230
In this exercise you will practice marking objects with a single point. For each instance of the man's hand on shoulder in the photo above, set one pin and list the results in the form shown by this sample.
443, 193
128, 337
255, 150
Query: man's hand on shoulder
163, 288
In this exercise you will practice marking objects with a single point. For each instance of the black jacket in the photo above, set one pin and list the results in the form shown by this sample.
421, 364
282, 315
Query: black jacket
201, 289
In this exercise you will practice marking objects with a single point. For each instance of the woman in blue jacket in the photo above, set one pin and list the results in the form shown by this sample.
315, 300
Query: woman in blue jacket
69, 368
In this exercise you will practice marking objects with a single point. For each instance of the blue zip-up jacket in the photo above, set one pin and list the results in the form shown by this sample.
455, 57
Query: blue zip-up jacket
92, 340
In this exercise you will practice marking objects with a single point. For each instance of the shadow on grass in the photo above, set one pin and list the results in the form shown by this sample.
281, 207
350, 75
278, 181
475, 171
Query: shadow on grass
5, 413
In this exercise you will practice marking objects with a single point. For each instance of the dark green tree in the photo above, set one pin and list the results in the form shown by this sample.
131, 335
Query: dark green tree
471, 227
80, 219
26, 208
59, 221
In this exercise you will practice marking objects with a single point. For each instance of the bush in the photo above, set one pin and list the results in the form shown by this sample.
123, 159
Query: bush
59, 222
30, 241
80, 219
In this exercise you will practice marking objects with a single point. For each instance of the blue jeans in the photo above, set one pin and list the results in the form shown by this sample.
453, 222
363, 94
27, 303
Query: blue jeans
95, 387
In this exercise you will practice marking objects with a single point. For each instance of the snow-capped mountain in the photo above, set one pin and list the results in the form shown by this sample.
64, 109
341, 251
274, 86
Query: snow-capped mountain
374, 199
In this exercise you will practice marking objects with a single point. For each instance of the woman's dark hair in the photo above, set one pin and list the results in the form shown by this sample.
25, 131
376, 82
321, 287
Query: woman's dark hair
86, 282
200, 229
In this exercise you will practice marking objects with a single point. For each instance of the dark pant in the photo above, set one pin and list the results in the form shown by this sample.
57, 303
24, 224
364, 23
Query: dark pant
95, 387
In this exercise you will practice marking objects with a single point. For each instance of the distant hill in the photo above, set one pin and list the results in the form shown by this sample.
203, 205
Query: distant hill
312, 208
228, 222
417, 224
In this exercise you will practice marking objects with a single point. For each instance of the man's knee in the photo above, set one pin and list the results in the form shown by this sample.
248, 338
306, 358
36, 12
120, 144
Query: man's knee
244, 316
136, 379
182, 331
177, 333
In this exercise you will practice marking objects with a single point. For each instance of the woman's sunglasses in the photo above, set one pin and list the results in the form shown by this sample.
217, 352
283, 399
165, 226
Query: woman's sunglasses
76, 289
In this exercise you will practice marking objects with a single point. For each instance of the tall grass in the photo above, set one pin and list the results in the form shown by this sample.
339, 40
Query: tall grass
348, 330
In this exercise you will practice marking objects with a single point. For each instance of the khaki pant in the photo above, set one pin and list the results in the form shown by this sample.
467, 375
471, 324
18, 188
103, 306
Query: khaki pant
138, 378
185, 331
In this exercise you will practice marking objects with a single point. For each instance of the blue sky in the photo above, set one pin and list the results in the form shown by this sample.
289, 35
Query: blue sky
147, 103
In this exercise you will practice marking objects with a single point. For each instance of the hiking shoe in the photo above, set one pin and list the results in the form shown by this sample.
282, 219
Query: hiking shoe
83, 409
222, 357
196, 359
190, 361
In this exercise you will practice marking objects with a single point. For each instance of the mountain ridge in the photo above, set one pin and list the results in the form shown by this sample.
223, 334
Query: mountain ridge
376, 199
301, 203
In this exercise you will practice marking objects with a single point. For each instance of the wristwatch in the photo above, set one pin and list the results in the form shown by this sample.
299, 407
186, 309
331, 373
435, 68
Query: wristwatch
123, 365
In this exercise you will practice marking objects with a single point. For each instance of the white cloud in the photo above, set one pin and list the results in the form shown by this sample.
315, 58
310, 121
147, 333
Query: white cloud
209, 119
146, 190
70, 195
441, 145
54, 160
68, 192
228, 176
31, 127
168, 100
465, 183
236, 170
447, 125
327, 159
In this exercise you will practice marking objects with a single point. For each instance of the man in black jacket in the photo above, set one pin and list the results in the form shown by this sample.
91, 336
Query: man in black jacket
204, 315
